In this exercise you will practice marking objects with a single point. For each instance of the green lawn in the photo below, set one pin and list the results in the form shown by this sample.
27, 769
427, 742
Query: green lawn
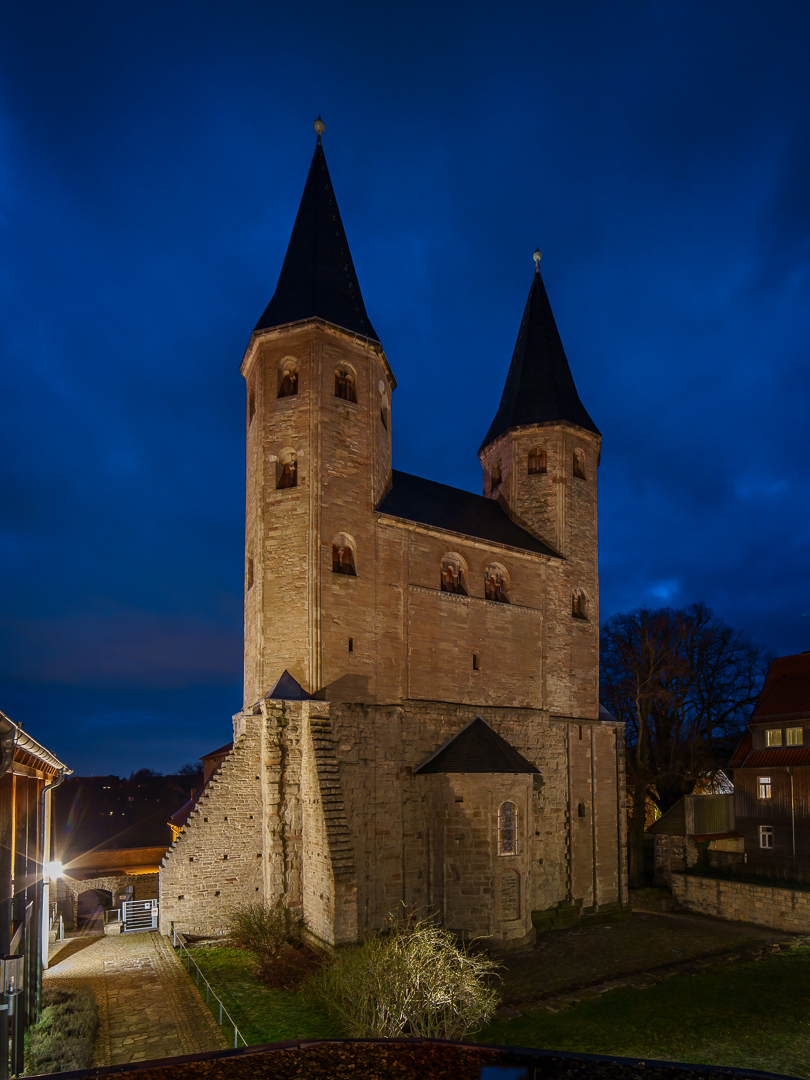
747, 1014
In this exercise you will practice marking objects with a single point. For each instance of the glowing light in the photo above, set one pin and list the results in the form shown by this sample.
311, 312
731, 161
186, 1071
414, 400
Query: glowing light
53, 869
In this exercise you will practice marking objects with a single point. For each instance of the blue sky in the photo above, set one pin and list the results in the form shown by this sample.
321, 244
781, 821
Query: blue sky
152, 156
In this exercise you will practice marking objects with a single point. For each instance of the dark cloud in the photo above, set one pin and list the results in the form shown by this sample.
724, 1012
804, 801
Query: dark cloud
151, 162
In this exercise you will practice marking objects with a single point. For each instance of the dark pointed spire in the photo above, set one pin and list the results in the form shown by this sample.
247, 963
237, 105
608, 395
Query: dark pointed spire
539, 387
318, 278
287, 688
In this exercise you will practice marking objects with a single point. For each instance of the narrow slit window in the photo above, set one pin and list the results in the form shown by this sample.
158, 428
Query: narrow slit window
351, 644
507, 829
249, 574
475, 662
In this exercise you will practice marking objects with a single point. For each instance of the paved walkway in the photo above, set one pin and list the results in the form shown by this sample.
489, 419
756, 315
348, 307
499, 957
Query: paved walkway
148, 1005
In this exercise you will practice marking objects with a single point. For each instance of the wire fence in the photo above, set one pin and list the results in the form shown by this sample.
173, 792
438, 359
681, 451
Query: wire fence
225, 1018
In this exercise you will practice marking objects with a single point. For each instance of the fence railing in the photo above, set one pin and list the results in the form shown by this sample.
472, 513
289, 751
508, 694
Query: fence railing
225, 1018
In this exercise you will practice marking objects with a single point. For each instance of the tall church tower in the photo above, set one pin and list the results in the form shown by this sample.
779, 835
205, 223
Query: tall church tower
318, 454
540, 458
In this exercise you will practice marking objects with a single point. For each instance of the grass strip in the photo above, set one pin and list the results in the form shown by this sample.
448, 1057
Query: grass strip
751, 1014
262, 1014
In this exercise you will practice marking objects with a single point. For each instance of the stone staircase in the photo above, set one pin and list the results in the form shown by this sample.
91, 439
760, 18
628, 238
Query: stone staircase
341, 851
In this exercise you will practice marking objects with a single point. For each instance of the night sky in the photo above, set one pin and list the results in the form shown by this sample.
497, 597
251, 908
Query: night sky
152, 156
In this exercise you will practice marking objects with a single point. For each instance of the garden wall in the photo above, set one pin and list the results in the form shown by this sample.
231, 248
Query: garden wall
781, 909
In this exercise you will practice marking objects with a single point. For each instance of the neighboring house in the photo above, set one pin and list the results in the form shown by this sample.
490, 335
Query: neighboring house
421, 721
211, 763
97, 881
28, 775
771, 768
694, 820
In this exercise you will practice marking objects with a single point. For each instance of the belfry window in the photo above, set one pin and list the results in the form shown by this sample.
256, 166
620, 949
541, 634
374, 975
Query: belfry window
453, 575
507, 829
251, 404
496, 584
288, 381
495, 476
343, 558
579, 604
345, 385
537, 461
579, 465
287, 471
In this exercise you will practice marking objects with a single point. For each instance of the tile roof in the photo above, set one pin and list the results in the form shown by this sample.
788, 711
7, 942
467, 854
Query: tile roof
426, 502
776, 757
477, 748
317, 278
223, 751
742, 751
783, 696
539, 387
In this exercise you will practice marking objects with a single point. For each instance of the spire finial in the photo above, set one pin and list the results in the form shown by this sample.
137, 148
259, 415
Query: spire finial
320, 127
537, 257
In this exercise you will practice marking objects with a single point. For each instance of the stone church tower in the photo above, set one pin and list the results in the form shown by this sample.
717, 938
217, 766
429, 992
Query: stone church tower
421, 722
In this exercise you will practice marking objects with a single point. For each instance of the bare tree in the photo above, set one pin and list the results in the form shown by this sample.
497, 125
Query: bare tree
684, 684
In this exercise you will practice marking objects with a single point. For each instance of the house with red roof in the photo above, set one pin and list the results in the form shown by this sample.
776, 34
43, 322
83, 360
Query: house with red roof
771, 768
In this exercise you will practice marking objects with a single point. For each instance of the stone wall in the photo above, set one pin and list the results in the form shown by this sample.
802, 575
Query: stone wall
782, 909
65, 892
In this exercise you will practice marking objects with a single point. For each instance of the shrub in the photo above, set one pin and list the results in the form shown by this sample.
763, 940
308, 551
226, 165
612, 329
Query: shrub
414, 980
63, 1037
264, 929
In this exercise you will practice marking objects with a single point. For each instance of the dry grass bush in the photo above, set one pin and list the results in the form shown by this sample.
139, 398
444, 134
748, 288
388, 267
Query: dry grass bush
63, 1037
264, 929
413, 980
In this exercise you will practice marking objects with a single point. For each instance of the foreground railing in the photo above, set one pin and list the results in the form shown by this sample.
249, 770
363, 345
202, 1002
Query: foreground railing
225, 1018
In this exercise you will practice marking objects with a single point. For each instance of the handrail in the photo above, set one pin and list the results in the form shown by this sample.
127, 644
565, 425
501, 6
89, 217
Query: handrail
178, 939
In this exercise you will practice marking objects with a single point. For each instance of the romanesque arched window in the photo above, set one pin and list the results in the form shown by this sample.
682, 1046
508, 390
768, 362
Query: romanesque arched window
454, 574
537, 460
287, 470
579, 604
345, 384
496, 583
495, 476
343, 556
288, 379
507, 828
579, 464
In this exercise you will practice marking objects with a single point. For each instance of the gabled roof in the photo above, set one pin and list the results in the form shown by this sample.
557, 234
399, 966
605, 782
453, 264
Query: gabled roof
477, 749
426, 502
286, 688
539, 387
786, 693
317, 278
223, 751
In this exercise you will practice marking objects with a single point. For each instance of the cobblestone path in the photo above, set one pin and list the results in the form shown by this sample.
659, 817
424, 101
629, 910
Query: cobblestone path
148, 1005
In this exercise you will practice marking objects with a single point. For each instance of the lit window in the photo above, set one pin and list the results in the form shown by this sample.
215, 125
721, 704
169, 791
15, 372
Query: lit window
794, 736
507, 829
764, 787
773, 737
766, 836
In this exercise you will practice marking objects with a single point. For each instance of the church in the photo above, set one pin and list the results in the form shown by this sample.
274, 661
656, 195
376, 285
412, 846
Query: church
421, 722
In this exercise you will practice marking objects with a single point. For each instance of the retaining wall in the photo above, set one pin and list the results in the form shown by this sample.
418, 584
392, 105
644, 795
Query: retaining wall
781, 909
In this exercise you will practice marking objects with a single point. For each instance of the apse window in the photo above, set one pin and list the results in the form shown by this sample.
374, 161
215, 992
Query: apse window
537, 461
579, 464
773, 737
507, 829
795, 736
766, 836
345, 385
287, 470
764, 787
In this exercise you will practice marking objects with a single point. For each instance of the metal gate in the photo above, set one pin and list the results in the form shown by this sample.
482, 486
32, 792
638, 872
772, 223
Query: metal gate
139, 915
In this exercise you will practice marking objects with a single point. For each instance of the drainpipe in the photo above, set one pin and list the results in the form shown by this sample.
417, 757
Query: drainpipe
792, 815
44, 839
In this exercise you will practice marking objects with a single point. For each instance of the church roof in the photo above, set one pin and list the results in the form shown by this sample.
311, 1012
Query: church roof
317, 278
286, 688
539, 387
427, 502
477, 749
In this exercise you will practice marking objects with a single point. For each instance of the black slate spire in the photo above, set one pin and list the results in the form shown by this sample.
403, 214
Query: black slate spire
318, 278
539, 387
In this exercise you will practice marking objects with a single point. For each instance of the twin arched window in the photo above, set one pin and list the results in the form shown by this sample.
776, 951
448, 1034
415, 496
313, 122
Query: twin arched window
343, 556
345, 384
287, 470
507, 828
537, 460
496, 583
579, 604
454, 575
